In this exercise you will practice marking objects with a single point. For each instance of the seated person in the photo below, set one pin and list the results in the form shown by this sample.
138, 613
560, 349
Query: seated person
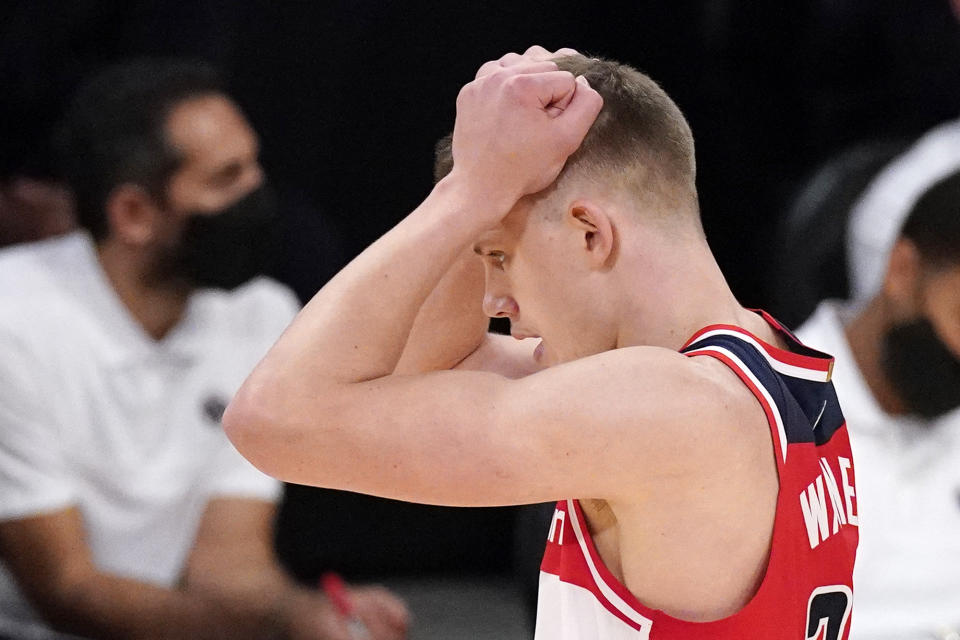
897, 376
126, 513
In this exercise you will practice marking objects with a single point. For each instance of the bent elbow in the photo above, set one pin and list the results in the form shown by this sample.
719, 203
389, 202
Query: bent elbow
248, 427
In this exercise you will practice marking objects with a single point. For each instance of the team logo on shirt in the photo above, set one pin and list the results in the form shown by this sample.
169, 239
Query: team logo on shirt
214, 407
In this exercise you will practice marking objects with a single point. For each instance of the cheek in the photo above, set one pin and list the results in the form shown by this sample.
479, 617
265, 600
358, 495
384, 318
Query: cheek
943, 310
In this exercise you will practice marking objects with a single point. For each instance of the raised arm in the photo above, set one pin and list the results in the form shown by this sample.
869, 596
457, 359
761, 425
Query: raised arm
334, 405
324, 407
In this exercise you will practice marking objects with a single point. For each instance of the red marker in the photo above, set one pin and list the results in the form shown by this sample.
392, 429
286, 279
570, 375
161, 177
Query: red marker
333, 587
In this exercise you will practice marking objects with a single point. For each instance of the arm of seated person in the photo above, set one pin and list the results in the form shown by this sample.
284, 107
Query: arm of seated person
232, 563
49, 557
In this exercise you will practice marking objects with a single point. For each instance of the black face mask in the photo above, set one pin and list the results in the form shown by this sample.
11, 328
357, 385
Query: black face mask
224, 249
925, 374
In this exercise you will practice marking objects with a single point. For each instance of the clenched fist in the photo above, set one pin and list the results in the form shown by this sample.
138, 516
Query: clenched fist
517, 123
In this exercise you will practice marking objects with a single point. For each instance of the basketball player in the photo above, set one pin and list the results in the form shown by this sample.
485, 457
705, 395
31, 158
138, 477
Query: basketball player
697, 448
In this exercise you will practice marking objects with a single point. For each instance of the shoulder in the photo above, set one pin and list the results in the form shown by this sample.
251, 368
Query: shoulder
683, 380
261, 307
265, 296
26, 267
653, 396
34, 295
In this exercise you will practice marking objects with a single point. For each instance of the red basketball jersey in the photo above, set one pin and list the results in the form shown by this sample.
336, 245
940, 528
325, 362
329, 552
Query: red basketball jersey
806, 593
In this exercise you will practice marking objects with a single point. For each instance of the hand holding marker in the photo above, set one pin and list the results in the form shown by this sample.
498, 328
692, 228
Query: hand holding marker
333, 587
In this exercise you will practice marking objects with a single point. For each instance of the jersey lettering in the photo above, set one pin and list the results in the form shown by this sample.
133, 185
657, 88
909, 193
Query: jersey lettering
813, 503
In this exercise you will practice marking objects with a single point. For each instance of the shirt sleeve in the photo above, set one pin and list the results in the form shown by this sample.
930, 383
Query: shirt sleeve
33, 475
232, 476
267, 308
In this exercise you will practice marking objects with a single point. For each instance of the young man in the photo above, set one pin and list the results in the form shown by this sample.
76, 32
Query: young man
574, 182
126, 513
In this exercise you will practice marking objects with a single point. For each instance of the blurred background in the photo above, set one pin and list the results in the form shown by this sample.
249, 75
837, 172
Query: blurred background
349, 97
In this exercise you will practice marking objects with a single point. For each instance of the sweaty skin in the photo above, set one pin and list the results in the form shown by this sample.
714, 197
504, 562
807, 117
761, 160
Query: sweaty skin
671, 455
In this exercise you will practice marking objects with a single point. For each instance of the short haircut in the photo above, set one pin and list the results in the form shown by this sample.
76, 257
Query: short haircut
114, 131
640, 136
933, 224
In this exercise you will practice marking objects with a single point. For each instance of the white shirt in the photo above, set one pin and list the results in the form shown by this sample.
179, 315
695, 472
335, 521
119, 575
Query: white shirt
96, 414
907, 576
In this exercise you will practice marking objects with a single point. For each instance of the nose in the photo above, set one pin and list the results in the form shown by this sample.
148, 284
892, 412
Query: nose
499, 305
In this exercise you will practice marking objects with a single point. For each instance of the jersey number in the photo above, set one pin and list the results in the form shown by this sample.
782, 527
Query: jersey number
828, 612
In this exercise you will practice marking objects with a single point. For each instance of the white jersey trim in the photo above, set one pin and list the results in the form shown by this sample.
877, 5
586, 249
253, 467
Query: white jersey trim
774, 410
791, 370
608, 593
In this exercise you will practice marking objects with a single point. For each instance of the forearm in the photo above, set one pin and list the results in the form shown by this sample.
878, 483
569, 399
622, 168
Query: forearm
451, 323
246, 584
356, 327
106, 606
354, 330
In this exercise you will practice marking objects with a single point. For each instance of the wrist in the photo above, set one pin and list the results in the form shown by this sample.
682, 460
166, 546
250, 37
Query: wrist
485, 203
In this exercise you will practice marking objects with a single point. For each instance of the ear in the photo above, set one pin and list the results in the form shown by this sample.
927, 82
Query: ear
598, 231
901, 284
133, 214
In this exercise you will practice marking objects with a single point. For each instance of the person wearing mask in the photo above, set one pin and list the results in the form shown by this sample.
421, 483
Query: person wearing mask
125, 511
897, 374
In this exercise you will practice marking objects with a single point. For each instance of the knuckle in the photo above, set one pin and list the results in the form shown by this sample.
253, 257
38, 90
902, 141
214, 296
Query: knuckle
467, 92
488, 67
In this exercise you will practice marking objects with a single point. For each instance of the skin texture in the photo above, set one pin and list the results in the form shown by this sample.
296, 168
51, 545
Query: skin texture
672, 456
233, 586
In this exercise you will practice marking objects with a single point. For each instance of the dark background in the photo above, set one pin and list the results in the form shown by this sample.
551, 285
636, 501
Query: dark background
349, 97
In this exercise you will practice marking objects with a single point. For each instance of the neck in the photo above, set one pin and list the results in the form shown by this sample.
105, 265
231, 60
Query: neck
683, 291
865, 335
155, 308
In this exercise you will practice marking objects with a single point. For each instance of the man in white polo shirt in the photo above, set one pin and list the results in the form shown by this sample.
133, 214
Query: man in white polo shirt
124, 510
897, 374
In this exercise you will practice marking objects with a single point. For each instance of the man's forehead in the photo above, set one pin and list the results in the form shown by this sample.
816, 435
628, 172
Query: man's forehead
513, 226
211, 129
494, 237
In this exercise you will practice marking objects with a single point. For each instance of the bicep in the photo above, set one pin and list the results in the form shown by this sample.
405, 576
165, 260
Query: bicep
586, 428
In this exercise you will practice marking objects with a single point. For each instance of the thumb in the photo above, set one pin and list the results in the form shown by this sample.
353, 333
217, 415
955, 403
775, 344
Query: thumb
582, 111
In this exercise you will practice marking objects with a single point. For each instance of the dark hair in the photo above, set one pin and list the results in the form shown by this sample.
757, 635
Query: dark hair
640, 132
114, 131
933, 224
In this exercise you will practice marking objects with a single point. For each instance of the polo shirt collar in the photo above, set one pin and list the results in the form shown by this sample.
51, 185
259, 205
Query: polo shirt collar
124, 340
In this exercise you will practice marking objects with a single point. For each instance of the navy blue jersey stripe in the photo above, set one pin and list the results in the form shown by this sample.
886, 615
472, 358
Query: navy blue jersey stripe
810, 410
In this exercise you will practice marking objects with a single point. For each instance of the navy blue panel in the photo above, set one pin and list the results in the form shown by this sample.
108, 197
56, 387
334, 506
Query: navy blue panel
810, 410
